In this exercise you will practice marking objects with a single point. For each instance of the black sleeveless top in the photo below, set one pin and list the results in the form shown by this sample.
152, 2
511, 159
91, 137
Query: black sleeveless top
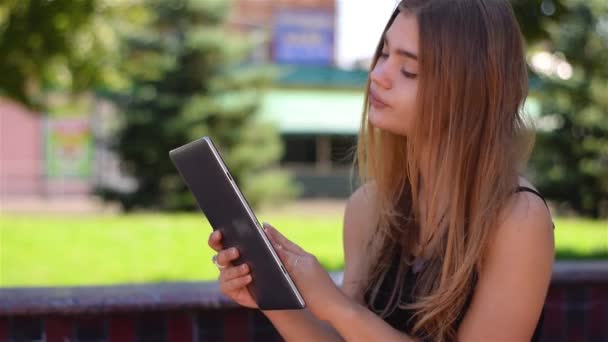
400, 319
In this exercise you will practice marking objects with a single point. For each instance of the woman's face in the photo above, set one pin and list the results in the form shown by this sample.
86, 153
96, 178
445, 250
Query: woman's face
394, 78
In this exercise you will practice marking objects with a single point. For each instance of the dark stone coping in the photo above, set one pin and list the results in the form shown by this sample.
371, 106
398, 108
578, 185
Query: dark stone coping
195, 295
580, 272
112, 298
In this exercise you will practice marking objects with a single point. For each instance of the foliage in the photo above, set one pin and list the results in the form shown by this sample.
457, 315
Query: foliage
570, 165
189, 79
177, 74
67, 45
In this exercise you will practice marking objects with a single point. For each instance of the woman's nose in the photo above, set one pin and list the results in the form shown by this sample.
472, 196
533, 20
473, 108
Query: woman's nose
380, 76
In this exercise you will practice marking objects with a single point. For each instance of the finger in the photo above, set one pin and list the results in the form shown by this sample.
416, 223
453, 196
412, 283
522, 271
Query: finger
282, 240
215, 241
236, 283
224, 257
233, 272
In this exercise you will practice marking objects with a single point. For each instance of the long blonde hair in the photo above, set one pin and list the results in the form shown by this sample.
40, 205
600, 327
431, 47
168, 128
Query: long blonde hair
468, 125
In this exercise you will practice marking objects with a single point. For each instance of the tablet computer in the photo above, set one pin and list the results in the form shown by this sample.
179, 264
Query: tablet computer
201, 167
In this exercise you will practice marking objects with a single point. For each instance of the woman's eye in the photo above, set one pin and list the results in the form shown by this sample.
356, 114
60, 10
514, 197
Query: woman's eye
384, 54
408, 74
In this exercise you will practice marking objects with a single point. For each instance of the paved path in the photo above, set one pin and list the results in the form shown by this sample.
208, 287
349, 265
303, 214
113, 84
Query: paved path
89, 205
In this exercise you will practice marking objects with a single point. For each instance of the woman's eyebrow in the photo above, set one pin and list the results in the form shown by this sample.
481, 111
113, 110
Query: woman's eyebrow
401, 52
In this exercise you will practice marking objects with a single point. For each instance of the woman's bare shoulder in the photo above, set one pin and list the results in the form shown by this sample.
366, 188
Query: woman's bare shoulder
524, 206
360, 214
360, 219
515, 274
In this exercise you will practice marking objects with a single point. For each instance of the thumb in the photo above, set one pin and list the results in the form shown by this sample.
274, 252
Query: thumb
287, 257
280, 239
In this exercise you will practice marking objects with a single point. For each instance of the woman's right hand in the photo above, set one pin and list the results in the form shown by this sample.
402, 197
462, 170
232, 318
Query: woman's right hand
233, 279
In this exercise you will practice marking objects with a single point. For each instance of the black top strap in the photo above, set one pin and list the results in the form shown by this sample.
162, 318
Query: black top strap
524, 188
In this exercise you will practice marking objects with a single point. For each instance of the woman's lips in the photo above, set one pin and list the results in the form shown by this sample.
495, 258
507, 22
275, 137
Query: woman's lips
376, 102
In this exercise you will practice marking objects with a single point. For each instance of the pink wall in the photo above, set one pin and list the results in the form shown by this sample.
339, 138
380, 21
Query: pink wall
21, 154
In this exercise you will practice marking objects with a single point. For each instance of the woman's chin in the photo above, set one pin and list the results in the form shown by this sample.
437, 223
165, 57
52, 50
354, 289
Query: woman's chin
375, 119
379, 121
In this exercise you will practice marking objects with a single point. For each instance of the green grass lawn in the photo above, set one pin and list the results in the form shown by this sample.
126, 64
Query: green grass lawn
137, 248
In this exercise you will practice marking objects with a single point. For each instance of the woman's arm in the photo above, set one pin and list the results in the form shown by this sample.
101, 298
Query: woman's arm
509, 295
301, 325
358, 220
320, 292
233, 280
349, 319
355, 322
515, 277
338, 315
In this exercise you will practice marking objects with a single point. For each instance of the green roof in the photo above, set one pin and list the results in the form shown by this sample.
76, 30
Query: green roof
313, 111
326, 111
321, 76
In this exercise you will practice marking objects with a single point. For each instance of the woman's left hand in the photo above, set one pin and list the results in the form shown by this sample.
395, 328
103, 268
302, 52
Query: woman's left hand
323, 298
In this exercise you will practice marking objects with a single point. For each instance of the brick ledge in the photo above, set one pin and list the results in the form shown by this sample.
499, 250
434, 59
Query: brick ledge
196, 295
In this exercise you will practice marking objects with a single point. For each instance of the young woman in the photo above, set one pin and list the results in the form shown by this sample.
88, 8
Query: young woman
444, 241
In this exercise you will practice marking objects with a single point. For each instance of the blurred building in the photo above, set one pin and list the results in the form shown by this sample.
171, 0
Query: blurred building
291, 31
20, 150
40, 155
316, 105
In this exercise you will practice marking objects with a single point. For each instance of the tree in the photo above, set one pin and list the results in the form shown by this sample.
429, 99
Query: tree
534, 17
64, 45
570, 163
189, 79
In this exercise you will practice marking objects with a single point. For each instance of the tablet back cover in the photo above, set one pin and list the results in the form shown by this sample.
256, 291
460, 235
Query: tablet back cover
212, 187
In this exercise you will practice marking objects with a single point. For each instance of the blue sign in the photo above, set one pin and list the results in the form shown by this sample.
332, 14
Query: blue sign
303, 36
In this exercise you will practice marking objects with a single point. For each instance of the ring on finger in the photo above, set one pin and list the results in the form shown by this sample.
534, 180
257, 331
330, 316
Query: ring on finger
216, 263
